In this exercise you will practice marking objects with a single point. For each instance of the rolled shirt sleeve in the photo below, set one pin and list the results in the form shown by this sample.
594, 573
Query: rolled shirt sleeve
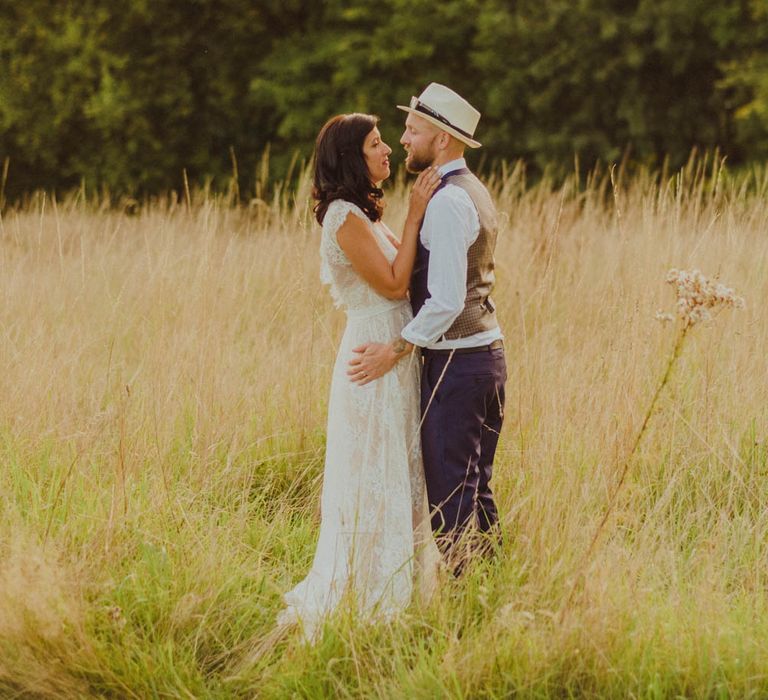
451, 225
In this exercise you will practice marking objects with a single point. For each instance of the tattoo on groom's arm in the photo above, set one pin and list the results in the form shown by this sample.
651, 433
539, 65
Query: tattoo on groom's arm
400, 345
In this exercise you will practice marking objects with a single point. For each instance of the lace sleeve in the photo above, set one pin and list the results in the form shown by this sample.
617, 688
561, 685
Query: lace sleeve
331, 254
334, 219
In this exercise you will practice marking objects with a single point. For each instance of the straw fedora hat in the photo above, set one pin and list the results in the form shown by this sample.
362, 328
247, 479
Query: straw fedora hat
448, 110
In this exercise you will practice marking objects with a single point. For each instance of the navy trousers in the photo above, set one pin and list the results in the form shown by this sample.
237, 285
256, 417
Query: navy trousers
459, 434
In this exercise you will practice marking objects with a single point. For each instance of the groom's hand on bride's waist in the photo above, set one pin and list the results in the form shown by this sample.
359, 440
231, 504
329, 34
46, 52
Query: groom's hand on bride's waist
374, 360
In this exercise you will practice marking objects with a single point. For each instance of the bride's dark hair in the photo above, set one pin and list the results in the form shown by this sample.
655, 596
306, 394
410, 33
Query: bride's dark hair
340, 169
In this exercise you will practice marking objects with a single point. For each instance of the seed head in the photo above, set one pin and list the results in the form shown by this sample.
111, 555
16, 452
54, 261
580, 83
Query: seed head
698, 296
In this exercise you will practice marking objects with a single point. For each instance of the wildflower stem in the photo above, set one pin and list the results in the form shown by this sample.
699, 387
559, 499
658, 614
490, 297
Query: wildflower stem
674, 355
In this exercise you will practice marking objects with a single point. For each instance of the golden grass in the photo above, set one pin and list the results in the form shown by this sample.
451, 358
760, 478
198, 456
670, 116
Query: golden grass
162, 409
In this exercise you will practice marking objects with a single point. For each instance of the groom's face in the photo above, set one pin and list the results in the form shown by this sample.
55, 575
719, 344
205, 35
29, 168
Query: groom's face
418, 139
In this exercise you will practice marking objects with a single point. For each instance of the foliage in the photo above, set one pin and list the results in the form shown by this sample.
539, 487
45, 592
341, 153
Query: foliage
129, 93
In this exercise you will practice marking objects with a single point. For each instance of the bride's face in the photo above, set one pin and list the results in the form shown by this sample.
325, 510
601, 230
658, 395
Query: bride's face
376, 154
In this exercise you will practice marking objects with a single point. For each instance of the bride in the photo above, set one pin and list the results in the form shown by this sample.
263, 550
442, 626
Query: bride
375, 544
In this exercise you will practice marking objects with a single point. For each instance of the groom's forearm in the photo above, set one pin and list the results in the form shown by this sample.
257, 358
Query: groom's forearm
401, 347
373, 360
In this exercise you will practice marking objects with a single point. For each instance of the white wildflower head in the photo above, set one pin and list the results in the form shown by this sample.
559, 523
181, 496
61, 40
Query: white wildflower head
698, 296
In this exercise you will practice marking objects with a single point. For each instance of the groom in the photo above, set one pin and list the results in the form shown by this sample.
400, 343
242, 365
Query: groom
463, 373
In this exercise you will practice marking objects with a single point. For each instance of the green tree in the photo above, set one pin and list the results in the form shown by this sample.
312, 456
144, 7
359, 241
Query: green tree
128, 93
50, 68
596, 77
746, 84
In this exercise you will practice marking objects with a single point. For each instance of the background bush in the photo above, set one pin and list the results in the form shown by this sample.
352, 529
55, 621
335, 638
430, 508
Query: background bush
125, 94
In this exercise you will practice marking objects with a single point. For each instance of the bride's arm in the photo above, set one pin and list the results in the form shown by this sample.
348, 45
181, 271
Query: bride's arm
359, 245
390, 236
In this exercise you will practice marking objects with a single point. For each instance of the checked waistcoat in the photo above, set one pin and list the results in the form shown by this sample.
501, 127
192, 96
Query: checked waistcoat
479, 313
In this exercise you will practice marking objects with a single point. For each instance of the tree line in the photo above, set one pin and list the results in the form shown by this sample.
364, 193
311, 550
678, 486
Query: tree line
129, 95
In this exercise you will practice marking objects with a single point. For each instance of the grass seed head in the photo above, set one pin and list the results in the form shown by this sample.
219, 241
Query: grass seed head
698, 296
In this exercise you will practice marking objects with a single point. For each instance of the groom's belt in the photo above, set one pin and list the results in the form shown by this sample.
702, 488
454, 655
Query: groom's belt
495, 345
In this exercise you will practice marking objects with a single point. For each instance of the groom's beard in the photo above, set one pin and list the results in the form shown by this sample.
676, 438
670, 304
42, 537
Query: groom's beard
418, 162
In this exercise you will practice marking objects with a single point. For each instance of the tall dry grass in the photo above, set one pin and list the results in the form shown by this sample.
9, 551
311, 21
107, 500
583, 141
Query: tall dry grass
162, 409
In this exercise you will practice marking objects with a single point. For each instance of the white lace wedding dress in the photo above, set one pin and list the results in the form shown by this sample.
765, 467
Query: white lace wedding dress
375, 545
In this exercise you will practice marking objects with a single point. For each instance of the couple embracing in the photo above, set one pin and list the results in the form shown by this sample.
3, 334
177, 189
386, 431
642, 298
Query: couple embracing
417, 393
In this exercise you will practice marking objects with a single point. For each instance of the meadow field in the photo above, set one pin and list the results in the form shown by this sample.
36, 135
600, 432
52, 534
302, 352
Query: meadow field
164, 369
